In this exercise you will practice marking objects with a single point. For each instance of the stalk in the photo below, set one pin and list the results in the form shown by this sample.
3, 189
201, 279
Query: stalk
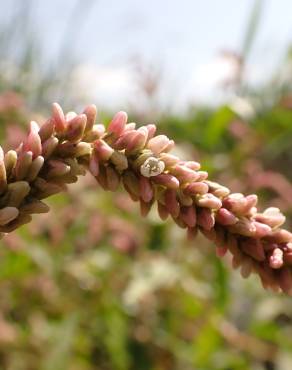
66, 146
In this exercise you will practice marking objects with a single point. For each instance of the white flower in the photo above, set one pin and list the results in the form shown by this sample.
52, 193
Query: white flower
152, 167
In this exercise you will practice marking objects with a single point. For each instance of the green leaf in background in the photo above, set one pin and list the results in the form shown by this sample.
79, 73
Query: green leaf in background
61, 343
217, 126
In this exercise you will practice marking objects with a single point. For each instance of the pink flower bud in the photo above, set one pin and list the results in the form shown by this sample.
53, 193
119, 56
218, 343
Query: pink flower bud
203, 175
151, 131
169, 159
10, 160
59, 118
99, 129
46, 188
94, 165
35, 206
49, 147
252, 200
57, 168
171, 203
131, 184
113, 179
17, 191
158, 144
225, 217
236, 203
279, 236
205, 218
22, 166
118, 123
125, 139
184, 174
95, 133
102, 150
162, 211
8, 214
271, 216
90, 111
33, 140
221, 251
75, 128
130, 126
70, 115
166, 180
243, 227
217, 189
253, 248
195, 166
246, 267
195, 188
209, 201
276, 259
146, 189
101, 177
209, 234
35, 168
188, 215
262, 230
47, 129
137, 142
145, 208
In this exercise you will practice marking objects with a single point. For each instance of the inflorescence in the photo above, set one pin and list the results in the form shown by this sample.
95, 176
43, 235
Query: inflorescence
65, 146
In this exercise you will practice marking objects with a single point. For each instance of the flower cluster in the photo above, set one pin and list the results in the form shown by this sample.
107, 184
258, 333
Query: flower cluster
65, 146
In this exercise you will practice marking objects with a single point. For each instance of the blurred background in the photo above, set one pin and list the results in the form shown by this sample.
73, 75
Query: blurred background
92, 285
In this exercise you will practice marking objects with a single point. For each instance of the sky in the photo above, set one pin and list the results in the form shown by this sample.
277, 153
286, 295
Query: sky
179, 39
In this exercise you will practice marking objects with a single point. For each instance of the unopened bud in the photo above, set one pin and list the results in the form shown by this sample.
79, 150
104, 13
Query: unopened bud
59, 118
158, 144
146, 190
17, 191
10, 160
253, 248
23, 164
271, 216
90, 111
35, 206
225, 217
112, 178
33, 140
171, 203
47, 129
102, 150
188, 215
118, 123
49, 147
8, 214
167, 180
209, 201
205, 218
34, 168
75, 128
